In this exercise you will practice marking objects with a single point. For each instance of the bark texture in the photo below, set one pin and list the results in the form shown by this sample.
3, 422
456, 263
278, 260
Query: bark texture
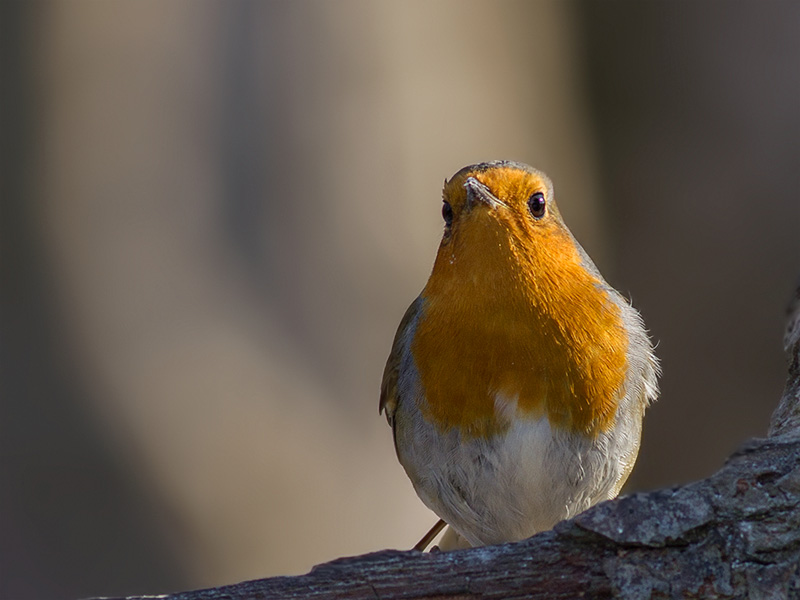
733, 535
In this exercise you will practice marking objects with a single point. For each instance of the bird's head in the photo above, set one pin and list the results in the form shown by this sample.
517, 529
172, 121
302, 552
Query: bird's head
501, 222
504, 194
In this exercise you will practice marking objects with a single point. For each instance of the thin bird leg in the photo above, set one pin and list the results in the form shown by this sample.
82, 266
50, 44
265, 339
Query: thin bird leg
428, 537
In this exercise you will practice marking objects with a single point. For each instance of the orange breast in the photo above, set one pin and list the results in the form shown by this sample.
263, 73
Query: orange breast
521, 320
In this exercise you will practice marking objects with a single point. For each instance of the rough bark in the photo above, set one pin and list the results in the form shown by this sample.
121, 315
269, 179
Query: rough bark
733, 535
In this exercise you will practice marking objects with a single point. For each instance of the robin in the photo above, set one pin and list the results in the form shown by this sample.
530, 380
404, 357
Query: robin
518, 378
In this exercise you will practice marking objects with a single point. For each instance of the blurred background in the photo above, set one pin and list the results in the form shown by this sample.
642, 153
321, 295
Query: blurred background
213, 216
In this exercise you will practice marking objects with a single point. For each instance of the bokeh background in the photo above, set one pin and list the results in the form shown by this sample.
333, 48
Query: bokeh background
215, 213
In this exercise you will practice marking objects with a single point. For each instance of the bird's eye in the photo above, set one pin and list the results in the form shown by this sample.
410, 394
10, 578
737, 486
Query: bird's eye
536, 205
447, 213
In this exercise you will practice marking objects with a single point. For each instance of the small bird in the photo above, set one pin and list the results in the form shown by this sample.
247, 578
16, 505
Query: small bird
518, 378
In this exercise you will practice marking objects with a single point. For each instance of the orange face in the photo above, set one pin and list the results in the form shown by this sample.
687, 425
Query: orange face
512, 320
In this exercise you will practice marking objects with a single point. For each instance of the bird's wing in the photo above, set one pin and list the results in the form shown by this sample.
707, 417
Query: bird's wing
391, 372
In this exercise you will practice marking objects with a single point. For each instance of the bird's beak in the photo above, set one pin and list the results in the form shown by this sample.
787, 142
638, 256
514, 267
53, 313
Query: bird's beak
477, 193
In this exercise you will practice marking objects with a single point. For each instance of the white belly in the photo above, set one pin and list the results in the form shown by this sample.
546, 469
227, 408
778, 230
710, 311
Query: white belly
510, 486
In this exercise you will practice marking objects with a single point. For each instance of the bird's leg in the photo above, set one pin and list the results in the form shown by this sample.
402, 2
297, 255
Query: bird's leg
428, 537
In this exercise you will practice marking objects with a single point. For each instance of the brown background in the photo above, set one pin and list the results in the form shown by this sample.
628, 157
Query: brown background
214, 215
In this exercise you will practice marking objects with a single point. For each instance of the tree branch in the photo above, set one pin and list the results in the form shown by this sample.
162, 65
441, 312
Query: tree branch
733, 535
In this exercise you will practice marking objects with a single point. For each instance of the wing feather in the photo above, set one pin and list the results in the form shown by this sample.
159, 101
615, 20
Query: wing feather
391, 373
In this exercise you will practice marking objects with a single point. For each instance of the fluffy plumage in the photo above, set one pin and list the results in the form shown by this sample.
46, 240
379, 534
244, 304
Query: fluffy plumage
518, 378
